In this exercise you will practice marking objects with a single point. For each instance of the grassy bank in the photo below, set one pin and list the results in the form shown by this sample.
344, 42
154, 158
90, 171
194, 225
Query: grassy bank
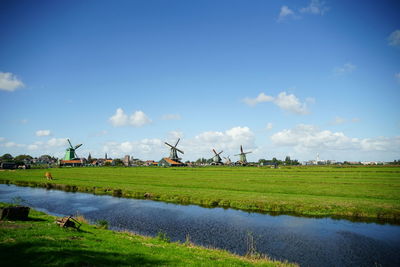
40, 242
357, 192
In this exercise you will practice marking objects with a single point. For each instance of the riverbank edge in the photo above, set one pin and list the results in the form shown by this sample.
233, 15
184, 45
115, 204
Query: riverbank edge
354, 215
42, 220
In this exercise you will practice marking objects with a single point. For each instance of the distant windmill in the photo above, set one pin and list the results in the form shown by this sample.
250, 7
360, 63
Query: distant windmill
228, 161
217, 159
70, 153
173, 154
243, 160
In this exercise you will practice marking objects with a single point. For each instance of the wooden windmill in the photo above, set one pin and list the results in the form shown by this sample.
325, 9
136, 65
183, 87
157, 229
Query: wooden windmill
70, 153
228, 160
217, 158
173, 155
243, 160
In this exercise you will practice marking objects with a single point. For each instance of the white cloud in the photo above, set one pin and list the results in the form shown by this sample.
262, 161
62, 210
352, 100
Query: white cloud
229, 141
137, 119
119, 118
168, 117
57, 142
269, 126
23, 121
261, 98
315, 7
287, 102
43, 133
345, 69
285, 12
199, 146
174, 135
394, 38
290, 103
12, 144
2, 139
144, 149
9, 82
310, 138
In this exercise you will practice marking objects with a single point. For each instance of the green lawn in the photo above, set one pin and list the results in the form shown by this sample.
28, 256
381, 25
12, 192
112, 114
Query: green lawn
358, 192
40, 242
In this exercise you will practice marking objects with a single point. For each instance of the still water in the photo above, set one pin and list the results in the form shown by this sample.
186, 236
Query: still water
307, 241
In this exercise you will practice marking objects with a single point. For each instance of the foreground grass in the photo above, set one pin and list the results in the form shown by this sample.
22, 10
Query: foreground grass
357, 192
40, 242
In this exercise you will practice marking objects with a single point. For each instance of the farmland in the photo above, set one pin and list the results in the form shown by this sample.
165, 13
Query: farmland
355, 192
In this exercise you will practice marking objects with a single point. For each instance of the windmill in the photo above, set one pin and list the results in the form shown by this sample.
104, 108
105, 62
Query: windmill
70, 152
173, 155
243, 160
217, 159
228, 160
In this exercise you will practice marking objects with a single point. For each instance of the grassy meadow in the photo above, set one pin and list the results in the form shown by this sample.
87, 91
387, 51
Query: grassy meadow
357, 192
38, 241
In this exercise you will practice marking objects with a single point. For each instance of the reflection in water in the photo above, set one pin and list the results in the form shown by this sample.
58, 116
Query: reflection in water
308, 241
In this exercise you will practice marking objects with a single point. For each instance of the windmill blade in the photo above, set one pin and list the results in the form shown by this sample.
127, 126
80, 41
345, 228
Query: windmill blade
247, 152
177, 149
70, 143
237, 154
219, 152
77, 146
215, 152
241, 149
169, 145
177, 142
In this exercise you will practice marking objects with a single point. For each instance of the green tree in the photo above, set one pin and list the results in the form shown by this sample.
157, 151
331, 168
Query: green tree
22, 157
118, 162
6, 157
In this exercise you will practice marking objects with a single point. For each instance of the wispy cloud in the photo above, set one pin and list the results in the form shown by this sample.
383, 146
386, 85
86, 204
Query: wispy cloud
345, 69
285, 13
269, 126
9, 82
394, 38
261, 98
169, 117
315, 7
136, 119
287, 102
43, 133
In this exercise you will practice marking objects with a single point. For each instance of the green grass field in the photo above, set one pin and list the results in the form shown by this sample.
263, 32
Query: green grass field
40, 242
357, 192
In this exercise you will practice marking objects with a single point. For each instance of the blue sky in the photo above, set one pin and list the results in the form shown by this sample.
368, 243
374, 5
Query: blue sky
280, 78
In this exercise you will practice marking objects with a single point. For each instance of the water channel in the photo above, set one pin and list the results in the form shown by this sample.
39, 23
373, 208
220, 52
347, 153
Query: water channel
307, 241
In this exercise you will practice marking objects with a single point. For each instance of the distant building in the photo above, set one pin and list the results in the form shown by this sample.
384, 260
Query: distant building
167, 162
73, 162
8, 165
127, 161
150, 163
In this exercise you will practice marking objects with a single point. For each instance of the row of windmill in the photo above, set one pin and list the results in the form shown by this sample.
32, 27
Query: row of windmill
71, 156
216, 159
